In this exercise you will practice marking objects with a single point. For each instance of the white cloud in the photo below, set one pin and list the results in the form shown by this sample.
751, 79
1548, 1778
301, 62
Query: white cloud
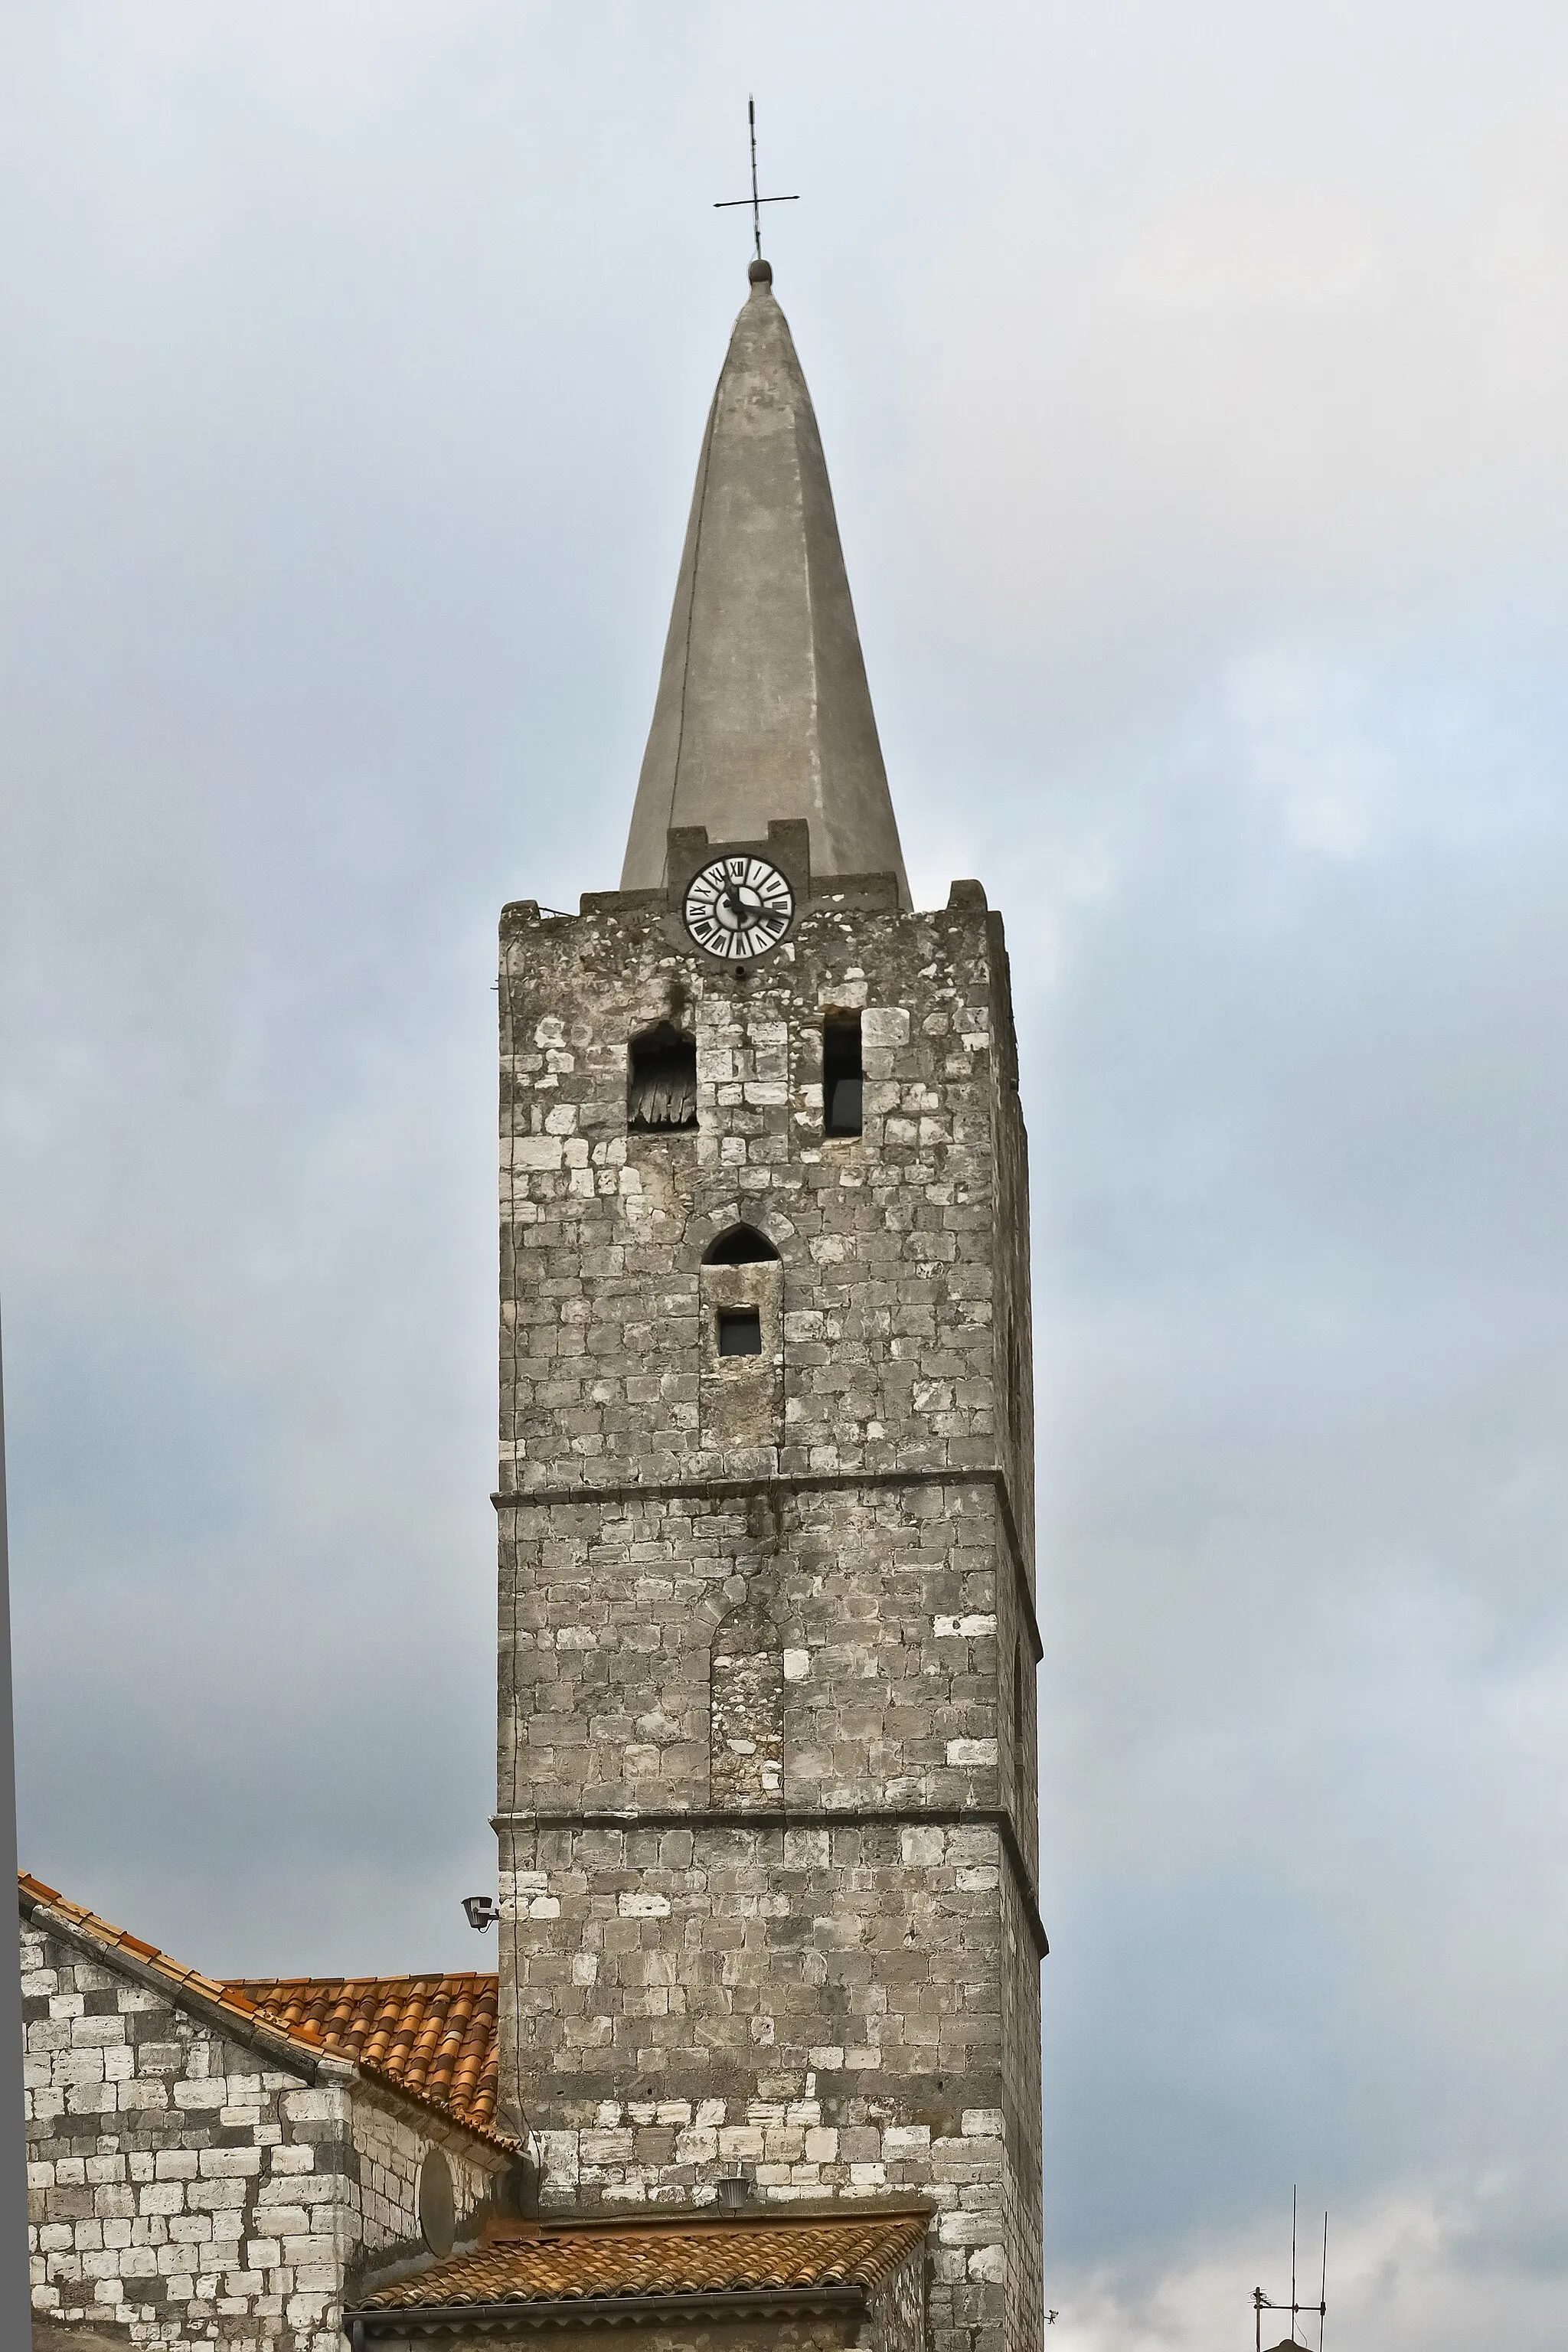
1402, 2275
1257, 383
1192, 381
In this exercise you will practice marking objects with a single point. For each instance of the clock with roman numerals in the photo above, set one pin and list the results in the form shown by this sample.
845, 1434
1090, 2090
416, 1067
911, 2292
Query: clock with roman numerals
737, 907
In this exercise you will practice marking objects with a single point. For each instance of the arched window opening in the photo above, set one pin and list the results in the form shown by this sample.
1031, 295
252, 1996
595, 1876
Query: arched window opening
661, 1081
741, 1246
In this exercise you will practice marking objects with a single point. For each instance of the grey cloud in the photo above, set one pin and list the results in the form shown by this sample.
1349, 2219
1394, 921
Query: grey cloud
365, 359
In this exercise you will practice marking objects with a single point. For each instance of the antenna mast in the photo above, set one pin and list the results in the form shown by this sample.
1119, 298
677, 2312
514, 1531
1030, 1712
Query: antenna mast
1262, 2302
1323, 2286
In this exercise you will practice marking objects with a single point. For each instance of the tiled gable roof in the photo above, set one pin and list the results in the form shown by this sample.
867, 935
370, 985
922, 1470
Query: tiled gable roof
33, 1892
842, 2256
432, 2035
432, 2038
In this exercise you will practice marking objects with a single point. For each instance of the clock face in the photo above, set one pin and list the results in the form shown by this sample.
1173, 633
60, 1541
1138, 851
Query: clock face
739, 906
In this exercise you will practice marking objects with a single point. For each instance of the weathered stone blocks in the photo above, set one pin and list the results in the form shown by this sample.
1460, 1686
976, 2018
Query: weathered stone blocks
766, 1757
182, 2188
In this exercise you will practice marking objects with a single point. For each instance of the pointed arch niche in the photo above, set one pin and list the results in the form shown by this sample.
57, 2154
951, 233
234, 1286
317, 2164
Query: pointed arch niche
740, 1245
741, 1353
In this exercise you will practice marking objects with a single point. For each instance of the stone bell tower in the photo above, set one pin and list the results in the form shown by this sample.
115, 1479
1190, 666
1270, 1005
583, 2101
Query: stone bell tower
766, 1796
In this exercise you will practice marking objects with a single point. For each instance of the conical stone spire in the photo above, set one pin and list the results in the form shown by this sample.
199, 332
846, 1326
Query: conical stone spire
764, 711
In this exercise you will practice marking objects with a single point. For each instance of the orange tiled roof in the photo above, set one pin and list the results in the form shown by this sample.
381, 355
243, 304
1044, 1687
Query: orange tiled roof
572, 2262
432, 2035
433, 2038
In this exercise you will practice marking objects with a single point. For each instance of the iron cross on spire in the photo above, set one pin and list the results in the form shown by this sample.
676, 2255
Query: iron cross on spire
727, 204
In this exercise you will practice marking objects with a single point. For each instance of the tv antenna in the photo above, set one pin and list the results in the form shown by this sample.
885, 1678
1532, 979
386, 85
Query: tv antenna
1262, 2302
728, 204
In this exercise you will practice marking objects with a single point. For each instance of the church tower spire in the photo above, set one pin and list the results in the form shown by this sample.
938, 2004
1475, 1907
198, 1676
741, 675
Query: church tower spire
764, 713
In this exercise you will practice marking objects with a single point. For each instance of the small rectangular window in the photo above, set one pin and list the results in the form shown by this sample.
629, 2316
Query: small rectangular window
841, 1074
740, 1331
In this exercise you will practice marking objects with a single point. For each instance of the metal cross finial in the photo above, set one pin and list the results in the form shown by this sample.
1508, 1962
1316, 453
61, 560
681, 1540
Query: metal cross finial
728, 203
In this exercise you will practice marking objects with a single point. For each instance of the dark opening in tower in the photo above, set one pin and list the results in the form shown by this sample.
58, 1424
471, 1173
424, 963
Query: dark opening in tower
662, 1081
740, 1331
841, 1074
740, 1245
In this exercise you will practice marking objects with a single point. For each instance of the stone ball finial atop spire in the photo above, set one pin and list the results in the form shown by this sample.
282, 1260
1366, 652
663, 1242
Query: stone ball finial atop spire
761, 273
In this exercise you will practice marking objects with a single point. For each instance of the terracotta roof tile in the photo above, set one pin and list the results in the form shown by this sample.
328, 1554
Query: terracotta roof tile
433, 2038
432, 2035
723, 2255
179, 1979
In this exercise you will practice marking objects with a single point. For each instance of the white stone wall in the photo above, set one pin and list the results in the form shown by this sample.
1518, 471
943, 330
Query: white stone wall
390, 2150
185, 2190
637, 2152
179, 2184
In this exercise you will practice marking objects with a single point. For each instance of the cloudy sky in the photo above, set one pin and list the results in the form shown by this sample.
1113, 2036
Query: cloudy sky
1193, 379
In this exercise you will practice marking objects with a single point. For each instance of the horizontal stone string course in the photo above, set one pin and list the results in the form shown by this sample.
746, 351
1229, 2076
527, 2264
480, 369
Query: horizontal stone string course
716, 1490
759, 1816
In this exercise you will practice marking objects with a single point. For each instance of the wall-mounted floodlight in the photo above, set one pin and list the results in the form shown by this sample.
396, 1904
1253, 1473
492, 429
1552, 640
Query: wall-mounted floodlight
483, 1911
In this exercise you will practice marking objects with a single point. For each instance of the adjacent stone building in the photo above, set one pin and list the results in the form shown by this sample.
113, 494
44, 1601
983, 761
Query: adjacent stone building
223, 2162
761, 2058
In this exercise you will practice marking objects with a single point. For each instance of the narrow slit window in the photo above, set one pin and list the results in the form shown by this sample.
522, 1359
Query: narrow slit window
740, 1331
661, 1081
841, 1074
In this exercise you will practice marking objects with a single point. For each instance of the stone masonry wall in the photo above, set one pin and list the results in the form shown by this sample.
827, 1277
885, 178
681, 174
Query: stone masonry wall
822, 1966
179, 2184
889, 1353
185, 2189
885, 1598
388, 2150
1022, 2155
1012, 1320
898, 2314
